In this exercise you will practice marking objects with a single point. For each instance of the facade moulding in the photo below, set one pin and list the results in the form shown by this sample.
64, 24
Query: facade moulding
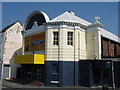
69, 25
34, 30
94, 25
95, 28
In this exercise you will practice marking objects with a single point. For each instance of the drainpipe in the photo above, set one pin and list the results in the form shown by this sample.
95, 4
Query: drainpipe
22, 32
113, 76
2, 53
74, 55
23, 41
58, 56
94, 40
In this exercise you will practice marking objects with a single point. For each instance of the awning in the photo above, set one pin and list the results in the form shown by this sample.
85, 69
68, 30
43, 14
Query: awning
29, 59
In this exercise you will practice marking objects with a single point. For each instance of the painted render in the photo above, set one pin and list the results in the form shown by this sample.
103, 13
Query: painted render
11, 45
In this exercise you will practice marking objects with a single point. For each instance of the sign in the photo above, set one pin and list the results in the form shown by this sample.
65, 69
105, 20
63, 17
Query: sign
54, 81
35, 42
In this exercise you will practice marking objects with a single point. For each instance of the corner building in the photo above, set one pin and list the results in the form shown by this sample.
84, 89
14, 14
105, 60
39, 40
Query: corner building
67, 51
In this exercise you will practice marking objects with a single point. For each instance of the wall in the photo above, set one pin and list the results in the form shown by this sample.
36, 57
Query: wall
110, 49
93, 40
82, 45
31, 32
66, 52
96, 73
117, 73
12, 42
66, 55
1, 38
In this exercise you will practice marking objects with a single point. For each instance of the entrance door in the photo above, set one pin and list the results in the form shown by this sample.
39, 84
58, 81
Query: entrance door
101, 76
98, 76
6, 72
18, 73
33, 71
39, 73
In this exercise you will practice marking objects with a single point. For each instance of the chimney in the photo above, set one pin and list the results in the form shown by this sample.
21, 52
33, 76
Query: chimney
71, 12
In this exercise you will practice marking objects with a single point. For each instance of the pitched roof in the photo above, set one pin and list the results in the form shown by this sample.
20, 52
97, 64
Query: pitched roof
109, 35
69, 17
7, 27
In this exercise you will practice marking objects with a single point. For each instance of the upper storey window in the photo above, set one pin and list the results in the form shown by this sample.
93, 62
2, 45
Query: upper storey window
55, 38
70, 38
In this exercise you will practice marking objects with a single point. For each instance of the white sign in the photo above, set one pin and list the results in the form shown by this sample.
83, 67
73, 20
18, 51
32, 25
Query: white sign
54, 81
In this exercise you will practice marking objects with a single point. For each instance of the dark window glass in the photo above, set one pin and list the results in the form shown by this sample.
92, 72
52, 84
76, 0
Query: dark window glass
55, 68
70, 38
55, 38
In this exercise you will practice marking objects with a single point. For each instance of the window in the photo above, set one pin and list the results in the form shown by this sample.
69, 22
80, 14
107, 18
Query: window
55, 38
70, 38
55, 68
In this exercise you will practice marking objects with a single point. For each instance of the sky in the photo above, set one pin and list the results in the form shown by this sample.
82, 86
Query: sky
0, 15
107, 11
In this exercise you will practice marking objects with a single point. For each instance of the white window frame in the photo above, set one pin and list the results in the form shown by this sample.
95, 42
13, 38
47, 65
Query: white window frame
69, 38
55, 38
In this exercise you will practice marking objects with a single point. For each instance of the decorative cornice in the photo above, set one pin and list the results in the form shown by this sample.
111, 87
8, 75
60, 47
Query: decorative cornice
66, 23
95, 25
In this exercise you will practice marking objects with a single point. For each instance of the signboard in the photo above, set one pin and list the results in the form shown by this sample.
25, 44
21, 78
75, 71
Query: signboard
54, 81
35, 42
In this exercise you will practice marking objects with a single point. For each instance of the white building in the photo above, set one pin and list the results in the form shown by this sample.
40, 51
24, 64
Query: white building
65, 50
10, 45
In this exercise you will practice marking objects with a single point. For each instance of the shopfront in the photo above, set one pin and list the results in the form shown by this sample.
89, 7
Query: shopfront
96, 73
32, 72
32, 67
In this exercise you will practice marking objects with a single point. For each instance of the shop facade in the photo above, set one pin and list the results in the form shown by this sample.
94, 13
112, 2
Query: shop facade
65, 51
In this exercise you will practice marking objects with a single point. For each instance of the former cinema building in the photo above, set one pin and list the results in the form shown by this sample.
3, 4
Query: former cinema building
68, 51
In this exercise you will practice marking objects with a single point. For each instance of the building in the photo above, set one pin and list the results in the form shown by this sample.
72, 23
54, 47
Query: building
68, 51
10, 45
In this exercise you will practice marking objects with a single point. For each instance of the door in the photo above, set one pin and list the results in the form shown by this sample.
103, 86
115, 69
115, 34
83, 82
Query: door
18, 73
33, 71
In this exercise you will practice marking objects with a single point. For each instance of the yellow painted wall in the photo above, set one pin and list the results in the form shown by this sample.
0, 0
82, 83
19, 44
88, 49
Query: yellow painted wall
29, 59
38, 59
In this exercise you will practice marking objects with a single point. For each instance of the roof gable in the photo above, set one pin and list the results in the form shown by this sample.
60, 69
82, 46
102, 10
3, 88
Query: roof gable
7, 27
68, 17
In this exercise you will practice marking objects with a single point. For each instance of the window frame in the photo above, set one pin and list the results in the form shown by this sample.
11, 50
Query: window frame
55, 38
69, 38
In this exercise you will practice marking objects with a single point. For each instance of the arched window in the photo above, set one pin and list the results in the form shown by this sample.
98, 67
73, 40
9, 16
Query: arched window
36, 18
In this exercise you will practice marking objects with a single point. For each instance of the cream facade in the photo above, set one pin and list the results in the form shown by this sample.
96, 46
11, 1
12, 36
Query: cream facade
72, 49
85, 40
63, 51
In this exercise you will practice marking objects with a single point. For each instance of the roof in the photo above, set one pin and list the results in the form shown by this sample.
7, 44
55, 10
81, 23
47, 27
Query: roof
109, 35
69, 17
7, 27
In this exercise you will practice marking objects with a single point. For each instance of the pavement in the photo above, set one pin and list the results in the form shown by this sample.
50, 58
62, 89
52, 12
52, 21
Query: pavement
14, 85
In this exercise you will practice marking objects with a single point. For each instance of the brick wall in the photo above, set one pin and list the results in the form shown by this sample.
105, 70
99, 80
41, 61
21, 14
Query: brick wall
110, 49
